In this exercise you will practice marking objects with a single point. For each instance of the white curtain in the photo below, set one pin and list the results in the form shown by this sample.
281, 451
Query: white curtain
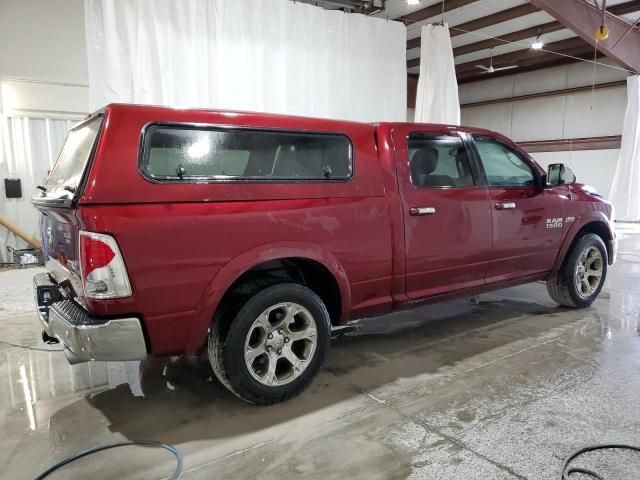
437, 94
273, 56
28, 149
625, 190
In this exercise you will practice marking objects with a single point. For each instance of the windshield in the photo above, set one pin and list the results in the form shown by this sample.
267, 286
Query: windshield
74, 156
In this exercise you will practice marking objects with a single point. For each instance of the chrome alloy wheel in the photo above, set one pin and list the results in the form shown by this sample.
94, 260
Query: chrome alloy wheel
280, 344
589, 270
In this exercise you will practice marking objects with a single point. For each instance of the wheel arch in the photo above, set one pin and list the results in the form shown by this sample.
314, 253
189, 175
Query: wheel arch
596, 223
313, 265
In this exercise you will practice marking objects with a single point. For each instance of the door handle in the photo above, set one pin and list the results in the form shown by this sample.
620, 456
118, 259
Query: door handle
418, 211
505, 206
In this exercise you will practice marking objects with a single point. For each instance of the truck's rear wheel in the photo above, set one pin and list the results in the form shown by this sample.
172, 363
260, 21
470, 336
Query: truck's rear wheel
582, 275
274, 346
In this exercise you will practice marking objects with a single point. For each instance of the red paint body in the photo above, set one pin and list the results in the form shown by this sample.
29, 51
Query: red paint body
184, 244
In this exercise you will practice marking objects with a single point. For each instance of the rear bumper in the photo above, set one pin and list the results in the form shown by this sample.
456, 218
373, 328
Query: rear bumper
86, 338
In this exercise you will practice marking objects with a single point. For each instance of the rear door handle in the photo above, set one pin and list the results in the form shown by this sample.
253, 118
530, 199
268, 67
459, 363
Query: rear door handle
418, 211
505, 206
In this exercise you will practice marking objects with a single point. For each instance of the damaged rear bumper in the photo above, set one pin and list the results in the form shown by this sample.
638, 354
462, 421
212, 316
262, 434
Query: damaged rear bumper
86, 338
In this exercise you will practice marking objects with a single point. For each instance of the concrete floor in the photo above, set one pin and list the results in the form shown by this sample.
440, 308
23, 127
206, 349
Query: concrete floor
504, 385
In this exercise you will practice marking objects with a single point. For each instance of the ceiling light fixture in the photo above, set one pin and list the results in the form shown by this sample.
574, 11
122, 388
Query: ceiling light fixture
413, 2
538, 43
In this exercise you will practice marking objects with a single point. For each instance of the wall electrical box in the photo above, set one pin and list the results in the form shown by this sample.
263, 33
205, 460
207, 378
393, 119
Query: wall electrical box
13, 187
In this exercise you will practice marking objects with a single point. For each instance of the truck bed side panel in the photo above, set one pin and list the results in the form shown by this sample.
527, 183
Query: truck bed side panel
173, 251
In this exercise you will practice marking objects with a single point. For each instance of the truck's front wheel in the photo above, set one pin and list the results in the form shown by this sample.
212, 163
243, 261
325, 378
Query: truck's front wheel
581, 277
274, 346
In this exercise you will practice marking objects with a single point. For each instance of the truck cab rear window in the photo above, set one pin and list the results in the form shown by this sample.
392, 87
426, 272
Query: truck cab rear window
190, 153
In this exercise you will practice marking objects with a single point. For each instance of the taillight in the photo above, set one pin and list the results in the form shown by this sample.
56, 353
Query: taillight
103, 272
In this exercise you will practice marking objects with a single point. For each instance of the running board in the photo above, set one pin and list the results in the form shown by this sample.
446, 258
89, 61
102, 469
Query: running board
340, 331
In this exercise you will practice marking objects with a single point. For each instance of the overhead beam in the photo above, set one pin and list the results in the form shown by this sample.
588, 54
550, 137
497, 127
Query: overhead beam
517, 57
483, 22
545, 61
433, 11
584, 19
548, 63
430, 12
493, 19
509, 37
620, 9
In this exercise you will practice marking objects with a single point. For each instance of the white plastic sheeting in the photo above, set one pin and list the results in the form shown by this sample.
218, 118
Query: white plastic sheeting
273, 56
625, 190
437, 94
28, 149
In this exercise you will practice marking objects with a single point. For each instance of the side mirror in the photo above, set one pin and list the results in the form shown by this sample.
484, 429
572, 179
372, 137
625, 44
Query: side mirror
559, 174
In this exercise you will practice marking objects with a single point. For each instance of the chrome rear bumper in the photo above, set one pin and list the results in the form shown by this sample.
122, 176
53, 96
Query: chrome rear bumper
86, 338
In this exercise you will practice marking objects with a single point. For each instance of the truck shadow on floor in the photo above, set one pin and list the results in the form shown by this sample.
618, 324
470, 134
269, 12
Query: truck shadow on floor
387, 356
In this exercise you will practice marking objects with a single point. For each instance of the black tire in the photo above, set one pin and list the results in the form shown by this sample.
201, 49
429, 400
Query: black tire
562, 286
227, 343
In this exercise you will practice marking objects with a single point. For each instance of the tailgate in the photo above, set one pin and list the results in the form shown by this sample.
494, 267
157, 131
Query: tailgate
59, 230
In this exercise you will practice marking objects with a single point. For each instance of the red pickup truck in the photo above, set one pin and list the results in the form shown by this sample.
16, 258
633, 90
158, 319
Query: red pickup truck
253, 236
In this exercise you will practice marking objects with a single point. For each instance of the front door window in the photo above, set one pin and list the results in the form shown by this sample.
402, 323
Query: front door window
503, 167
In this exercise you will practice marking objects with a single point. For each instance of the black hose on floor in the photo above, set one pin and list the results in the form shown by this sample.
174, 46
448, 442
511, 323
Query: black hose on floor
567, 470
90, 451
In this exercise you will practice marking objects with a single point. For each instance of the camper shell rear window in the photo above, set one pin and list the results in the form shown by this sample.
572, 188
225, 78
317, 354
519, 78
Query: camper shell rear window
74, 157
175, 152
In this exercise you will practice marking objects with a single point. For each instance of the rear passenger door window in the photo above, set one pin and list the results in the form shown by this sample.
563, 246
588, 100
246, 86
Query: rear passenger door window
439, 160
502, 166
173, 152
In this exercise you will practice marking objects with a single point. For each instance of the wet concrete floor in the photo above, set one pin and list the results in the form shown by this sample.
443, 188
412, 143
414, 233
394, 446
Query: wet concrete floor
503, 385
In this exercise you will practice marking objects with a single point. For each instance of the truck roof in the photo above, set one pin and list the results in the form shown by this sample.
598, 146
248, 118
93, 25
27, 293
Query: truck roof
322, 122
